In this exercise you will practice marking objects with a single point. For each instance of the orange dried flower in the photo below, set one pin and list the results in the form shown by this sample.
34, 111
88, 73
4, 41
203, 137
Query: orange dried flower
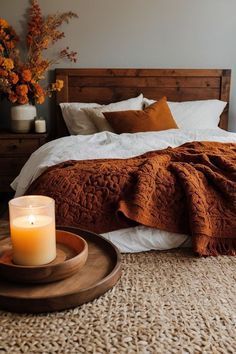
12, 97
58, 85
19, 80
3, 73
38, 89
23, 99
39, 93
3, 23
22, 90
14, 78
8, 64
40, 99
26, 75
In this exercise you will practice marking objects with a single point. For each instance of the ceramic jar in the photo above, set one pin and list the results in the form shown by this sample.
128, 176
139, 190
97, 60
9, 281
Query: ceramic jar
22, 118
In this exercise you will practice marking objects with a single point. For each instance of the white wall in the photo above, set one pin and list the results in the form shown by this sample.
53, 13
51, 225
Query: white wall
145, 33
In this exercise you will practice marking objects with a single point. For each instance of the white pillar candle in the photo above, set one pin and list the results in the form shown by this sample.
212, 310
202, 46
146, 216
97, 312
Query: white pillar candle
40, 126
32, 227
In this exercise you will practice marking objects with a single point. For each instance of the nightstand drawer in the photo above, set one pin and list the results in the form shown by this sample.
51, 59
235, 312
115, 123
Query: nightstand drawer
18, 146
11, 165
15, 149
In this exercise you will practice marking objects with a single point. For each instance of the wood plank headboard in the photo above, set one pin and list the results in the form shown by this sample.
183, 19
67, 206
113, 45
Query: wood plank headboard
110, 85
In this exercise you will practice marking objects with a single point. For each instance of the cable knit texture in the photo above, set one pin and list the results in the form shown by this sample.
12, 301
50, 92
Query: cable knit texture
188, 189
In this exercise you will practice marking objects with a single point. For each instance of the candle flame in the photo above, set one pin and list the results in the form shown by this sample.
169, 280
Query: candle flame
31, 219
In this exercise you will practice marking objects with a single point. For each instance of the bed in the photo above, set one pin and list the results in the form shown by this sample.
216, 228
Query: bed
104, 86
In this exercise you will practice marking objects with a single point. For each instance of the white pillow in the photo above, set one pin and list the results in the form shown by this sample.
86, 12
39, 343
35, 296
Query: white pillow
95, 114
76, 120
203, 114
98, 119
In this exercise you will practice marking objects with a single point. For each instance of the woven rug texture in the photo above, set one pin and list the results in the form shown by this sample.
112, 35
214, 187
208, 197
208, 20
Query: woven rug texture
165, 302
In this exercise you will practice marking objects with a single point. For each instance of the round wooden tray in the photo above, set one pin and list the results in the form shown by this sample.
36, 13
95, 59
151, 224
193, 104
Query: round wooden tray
100, 273
72, 253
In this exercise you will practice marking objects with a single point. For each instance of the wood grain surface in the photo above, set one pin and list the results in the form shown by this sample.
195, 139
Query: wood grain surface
110, 85
101, 272
72, 253
15, 149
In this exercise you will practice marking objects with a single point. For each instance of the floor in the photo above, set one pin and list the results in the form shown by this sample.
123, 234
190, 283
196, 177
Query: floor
165, 303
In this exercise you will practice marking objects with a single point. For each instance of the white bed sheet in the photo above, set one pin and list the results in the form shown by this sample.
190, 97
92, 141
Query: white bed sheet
110, 145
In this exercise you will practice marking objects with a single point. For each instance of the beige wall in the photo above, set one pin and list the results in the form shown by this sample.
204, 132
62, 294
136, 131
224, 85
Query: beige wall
145, 33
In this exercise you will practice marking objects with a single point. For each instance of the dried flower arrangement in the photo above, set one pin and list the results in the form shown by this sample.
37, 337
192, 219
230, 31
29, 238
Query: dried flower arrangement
19, 78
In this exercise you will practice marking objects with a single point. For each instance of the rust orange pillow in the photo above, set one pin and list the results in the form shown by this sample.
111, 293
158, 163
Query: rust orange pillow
155, 117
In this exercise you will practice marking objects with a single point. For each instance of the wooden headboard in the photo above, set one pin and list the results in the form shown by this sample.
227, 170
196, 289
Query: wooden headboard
110, 85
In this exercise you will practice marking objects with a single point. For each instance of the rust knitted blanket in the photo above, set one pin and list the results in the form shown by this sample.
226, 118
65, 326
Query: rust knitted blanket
189, 189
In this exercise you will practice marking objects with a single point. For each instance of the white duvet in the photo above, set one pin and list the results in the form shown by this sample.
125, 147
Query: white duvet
110, 145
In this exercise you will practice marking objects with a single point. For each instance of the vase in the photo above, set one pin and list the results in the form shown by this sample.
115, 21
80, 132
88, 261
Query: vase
22, 118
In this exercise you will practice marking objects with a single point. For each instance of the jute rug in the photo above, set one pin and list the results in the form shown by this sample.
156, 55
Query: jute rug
165, 302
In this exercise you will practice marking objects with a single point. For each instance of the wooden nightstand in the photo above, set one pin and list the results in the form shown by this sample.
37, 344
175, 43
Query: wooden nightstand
15, 149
